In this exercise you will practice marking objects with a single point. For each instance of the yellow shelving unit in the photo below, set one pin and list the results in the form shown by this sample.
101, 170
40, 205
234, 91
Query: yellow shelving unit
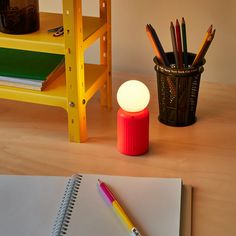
81, 81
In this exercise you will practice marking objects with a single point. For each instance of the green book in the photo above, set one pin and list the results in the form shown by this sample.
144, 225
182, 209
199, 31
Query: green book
28, 69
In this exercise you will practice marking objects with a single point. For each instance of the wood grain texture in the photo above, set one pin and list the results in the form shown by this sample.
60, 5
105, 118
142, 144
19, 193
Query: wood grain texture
33, 141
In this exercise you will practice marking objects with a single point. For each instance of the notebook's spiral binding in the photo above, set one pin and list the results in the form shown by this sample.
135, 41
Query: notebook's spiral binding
67, 204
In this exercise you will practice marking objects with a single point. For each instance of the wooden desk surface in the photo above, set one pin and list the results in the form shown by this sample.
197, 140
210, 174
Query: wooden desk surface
33, 141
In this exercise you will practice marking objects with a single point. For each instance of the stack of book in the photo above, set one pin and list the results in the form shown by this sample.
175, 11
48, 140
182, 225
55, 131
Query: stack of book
29, 70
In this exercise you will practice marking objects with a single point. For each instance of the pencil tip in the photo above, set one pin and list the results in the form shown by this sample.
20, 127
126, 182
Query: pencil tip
210, 29
213, 33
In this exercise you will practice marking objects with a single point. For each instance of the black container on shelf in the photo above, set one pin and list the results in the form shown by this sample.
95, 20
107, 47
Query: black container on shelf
19, 16
178, 91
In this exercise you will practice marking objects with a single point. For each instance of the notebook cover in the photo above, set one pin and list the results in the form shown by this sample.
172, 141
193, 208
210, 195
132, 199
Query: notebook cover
28, 64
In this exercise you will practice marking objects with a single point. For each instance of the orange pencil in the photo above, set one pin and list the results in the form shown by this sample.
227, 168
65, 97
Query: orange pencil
160, 57
158, 47
154, 46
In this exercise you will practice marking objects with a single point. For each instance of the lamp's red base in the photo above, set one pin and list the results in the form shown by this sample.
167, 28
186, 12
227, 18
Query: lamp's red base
133, 132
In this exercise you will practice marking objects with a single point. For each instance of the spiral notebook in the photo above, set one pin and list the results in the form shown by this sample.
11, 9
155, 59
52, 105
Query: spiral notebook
55, 206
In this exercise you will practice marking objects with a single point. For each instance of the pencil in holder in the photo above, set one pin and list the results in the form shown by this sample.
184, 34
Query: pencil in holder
178, 91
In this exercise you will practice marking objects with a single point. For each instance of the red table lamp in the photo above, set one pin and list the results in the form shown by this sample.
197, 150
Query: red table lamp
133, 118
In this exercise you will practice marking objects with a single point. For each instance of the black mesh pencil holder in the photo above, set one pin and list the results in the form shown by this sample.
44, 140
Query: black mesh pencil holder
178, 91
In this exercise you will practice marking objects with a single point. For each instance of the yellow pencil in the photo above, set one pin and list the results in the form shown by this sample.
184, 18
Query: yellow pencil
209, 40
204, 46
118, 209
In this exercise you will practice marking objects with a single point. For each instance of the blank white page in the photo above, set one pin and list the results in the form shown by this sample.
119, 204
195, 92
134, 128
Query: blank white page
29, 204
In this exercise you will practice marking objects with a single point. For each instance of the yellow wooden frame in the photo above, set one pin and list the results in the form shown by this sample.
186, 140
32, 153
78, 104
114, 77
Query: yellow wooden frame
81, 81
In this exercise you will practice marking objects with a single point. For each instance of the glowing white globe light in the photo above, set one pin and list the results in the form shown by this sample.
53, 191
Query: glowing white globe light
133, 96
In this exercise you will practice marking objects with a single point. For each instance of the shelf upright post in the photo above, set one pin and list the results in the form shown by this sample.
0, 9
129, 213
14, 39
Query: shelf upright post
105, 53
74, 60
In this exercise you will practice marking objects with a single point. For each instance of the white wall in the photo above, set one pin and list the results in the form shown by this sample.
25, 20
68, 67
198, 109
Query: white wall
131, 49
